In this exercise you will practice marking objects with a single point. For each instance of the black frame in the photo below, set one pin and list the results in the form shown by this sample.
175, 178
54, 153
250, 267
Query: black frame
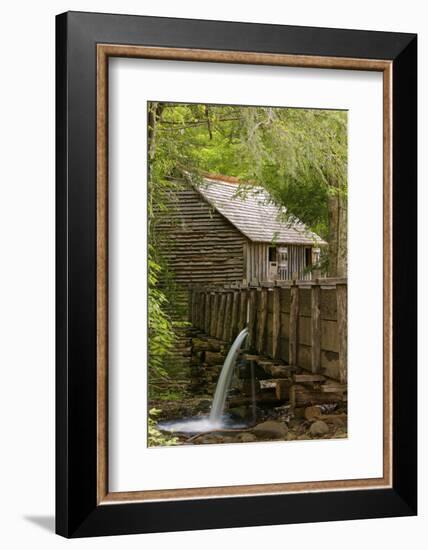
77, 513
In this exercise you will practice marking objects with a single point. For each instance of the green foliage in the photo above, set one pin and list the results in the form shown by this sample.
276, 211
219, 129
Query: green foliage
156, 438
161, 333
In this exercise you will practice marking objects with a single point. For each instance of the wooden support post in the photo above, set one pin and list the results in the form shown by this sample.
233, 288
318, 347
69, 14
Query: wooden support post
214, 314
294, 325
220, 317
243, 296
276, 322
261, 320
207, 317
193, 314
201, 310
342, 328
235, 313
316, 329
252, 306
196, 312
227, 320
190, 305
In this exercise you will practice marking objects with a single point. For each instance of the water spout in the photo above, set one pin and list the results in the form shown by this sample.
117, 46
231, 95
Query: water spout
225, 379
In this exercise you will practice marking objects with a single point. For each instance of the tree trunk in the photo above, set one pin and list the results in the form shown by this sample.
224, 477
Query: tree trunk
338, 233
155, 111
342, 249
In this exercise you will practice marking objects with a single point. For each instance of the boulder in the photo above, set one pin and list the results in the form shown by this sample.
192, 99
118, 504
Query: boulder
270, 430
337, 420
318, 428
311, 413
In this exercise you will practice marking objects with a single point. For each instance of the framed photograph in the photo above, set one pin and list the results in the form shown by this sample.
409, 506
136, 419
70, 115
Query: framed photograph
236, 274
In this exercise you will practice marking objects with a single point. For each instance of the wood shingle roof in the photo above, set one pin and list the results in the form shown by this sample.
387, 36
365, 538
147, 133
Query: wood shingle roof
252, 211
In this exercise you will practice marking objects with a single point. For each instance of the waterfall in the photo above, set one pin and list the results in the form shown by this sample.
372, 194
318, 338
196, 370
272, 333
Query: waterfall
226, 378
215, 420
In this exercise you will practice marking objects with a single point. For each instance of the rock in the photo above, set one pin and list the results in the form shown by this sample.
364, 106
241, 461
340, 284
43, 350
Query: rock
246, 437
318, 428
291, 436
294, 423
270, 430
311, 413
336, 420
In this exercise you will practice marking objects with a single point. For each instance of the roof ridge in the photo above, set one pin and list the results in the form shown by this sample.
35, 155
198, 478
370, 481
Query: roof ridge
225, 179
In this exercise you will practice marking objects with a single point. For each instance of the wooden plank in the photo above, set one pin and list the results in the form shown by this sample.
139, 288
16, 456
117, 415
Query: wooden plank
235, 315
227, 322
220, 317
282, 389
198, 308
190, 305
245, 261
278, 371
194, 310
214, 314
276, 321
261, 320
342, 327
303, 378
207, 319
243, 296
300, 395
332, 387
252, 305
201, 313
250, 357
294, 320
316, 329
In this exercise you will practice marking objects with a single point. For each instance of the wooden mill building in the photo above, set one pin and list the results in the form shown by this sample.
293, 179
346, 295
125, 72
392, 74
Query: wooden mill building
220, 232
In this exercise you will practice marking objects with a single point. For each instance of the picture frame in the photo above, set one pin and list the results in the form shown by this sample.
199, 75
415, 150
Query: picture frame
84, 44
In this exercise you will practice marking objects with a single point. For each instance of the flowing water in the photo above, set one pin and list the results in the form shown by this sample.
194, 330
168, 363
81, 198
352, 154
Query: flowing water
225, 379
217, 418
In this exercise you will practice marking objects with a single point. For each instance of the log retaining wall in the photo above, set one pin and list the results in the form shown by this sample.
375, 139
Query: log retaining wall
303, 323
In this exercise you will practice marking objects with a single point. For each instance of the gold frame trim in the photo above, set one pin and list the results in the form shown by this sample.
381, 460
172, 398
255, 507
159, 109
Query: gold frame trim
104, 51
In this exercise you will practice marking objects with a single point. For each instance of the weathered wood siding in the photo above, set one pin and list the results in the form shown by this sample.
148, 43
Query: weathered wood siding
200, 245
257, 256
257, 262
